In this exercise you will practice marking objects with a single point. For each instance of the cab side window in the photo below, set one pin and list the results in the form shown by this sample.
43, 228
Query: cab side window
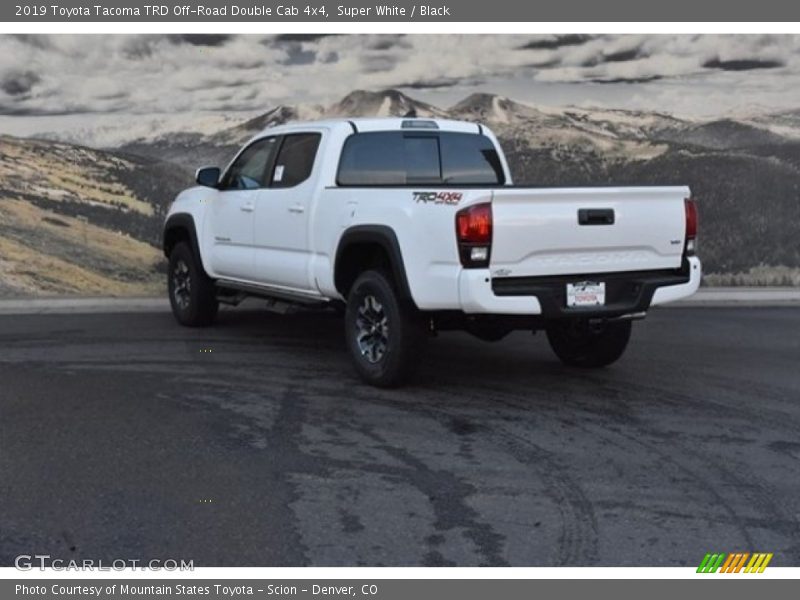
249, 171
295, 160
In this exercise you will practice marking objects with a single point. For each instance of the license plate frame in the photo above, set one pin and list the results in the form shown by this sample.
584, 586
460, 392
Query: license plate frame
582, 294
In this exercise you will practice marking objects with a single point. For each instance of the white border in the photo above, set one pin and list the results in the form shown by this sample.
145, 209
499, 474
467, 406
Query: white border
379, 573
363, 27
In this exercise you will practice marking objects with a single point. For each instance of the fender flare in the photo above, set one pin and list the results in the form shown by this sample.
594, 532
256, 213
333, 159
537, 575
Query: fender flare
386, 238
181, 221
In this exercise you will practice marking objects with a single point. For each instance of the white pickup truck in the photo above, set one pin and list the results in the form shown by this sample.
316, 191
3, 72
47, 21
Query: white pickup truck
412, 226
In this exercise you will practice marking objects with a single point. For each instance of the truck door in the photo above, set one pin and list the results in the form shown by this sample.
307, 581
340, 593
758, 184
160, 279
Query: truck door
282, 248
232, 210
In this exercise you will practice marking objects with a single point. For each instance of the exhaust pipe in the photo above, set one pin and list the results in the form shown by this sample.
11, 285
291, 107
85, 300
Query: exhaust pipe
629, 317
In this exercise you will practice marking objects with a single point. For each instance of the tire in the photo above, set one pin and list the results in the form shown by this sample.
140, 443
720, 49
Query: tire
191, 292
578, 343
384, 334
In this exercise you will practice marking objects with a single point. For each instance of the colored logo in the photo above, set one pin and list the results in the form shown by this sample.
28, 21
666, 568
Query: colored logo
738, 562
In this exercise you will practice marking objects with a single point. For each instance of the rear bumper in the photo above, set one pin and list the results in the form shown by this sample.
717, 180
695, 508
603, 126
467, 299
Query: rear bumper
671, 293
626, 292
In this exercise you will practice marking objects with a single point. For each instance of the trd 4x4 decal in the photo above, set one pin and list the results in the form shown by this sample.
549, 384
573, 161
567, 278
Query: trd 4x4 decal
438, 197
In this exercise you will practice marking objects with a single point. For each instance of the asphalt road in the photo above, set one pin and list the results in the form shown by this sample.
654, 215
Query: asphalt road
125, 436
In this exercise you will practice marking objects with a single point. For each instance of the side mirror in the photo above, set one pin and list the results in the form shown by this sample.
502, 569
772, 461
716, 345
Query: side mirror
207, 176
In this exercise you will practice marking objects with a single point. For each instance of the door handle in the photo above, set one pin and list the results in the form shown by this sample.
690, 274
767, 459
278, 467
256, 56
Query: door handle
297, 209
249, 207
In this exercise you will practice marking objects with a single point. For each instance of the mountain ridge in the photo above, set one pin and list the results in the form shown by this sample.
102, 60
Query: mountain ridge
70, 204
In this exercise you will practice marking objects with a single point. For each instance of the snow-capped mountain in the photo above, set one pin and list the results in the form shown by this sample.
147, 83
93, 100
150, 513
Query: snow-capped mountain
277, 116
115, 130
387, 103
495, 109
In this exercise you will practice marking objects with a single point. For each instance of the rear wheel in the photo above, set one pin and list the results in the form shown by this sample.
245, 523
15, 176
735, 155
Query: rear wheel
581, 343
384, 333
191, 292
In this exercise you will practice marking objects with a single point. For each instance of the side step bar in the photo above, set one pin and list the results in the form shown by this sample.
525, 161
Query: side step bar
273, 293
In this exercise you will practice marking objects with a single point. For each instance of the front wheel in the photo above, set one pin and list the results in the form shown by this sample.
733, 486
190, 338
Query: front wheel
191, 292
581, 343
383, 332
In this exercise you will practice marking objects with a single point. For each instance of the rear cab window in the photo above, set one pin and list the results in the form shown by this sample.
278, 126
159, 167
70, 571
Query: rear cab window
399, 158
295, 159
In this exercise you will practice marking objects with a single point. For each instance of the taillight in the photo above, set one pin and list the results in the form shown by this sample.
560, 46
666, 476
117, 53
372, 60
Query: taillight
474, 235
690, 208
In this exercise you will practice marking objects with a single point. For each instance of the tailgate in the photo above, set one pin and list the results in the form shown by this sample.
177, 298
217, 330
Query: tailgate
586, 230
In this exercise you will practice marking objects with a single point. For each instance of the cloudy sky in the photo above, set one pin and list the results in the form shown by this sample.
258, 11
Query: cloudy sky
48, 82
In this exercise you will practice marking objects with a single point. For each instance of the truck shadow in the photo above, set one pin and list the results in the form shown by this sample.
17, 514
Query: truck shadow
449, 358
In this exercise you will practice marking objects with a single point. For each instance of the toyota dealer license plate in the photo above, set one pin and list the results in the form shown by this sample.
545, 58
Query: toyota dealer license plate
586, 293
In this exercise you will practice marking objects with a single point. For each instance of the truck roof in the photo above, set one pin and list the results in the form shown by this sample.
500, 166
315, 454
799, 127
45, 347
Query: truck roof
380, 124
